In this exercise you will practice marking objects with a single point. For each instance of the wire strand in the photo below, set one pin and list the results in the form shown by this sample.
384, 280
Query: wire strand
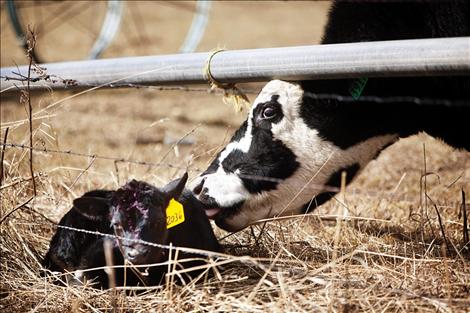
123, 160
319, 187
325, 96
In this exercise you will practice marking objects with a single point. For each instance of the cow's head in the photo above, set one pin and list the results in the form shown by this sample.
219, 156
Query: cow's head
277, 162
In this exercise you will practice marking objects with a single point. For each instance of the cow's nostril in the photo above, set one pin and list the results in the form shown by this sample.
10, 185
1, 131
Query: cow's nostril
197, 190
204, 194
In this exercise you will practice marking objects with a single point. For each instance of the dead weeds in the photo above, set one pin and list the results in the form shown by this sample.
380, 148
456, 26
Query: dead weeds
388, 255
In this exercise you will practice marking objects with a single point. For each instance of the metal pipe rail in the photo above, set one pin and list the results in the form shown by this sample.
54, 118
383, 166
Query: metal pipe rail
417, 57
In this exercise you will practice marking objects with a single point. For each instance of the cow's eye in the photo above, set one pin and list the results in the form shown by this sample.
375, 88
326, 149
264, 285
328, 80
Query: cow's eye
268, 113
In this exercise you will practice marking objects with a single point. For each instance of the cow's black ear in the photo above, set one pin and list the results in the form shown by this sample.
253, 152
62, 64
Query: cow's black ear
174, 188
93, 208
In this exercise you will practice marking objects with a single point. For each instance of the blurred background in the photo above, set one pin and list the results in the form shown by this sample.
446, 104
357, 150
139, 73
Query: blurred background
141, 123
67, 30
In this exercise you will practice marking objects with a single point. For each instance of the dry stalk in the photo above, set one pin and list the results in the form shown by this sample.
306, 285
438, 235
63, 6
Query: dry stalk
334, 291
15, 209
20, 180
465, 220
424, 210
441, 226
108, 253
339, 220
69, 188
263, 278
31, 45
2, 155
178, 142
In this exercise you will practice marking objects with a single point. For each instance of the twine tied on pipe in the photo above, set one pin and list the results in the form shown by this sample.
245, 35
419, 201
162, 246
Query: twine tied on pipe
233, 96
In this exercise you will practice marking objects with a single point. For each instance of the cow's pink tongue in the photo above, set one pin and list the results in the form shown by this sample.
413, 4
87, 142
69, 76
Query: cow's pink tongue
211, 213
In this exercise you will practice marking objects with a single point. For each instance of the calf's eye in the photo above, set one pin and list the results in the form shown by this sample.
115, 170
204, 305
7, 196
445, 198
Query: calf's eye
118, 229
268, 113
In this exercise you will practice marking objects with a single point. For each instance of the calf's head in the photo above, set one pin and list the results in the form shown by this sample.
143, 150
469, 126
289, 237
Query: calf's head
137, 211
277, 162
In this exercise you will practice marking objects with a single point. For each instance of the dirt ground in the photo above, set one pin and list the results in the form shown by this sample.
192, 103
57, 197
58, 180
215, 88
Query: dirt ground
392, 257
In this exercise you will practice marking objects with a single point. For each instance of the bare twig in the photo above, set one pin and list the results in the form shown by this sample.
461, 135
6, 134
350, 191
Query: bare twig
260, 233
41, 215
339, 220
465, 219
2, 156
455, 180
424, 210
441, 226
20, 180
69, 188
116, 169
108, 253
31, 44
424, 189
178, 142
15, 209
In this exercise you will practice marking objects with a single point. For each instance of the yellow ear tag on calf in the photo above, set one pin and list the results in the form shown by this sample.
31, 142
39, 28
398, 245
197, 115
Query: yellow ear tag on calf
174, 214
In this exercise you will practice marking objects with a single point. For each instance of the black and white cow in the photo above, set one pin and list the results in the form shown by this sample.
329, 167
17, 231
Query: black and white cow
304, 142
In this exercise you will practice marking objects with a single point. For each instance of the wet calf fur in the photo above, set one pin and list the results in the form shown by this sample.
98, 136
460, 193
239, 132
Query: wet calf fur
66, 247
137, 211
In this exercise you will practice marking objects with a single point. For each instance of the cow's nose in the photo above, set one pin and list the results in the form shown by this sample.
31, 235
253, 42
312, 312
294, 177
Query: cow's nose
204, 194
198, 189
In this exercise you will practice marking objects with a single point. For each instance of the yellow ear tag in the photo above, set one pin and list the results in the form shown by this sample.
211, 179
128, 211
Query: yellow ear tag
174, 214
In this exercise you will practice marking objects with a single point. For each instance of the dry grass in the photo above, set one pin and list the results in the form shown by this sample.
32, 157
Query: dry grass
390, 254
390, 257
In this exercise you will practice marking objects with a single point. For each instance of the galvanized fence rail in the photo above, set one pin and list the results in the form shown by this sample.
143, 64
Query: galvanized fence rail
420, 57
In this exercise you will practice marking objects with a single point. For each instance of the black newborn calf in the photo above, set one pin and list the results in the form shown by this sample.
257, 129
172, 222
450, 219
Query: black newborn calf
67, 247
137, 211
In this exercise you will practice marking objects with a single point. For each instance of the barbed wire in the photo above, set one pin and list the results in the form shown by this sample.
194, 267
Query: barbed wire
143, 242
115, 159
323, 96
205, 253
206, 90
320, 96
319, 187
220, 255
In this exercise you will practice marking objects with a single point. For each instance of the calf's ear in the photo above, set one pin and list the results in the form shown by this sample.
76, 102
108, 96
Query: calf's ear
93, 208
174, 188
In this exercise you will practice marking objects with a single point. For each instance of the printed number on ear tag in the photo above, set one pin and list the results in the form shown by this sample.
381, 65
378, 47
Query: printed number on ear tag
174, 214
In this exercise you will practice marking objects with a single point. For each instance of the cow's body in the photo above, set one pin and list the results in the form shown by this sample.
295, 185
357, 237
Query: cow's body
293, 142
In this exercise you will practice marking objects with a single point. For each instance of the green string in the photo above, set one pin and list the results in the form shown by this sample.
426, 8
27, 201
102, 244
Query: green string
357, 87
